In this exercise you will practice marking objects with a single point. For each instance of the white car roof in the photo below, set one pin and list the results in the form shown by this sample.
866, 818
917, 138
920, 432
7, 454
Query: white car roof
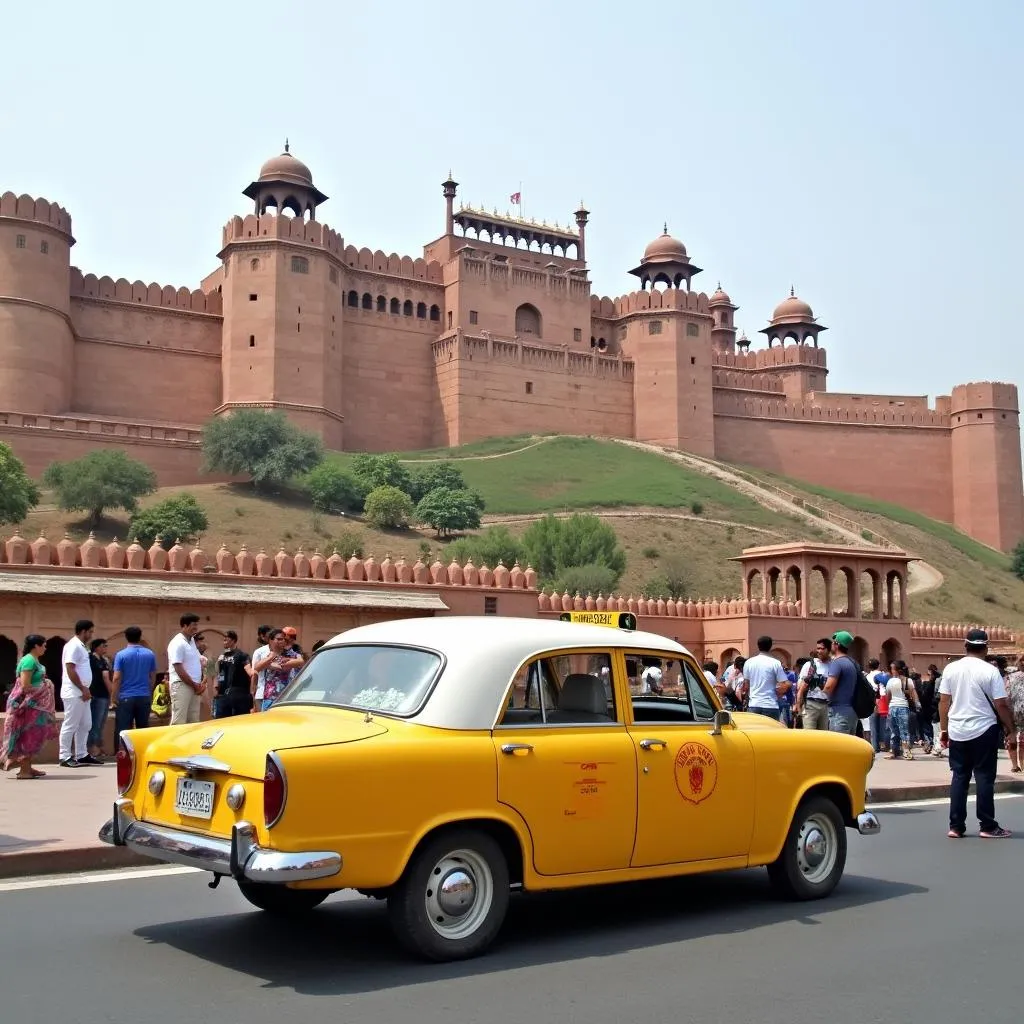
482, 654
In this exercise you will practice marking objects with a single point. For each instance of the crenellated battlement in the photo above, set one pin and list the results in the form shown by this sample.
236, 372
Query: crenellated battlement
285, 229
726, 404
773, 358
984, 395
746, 380
394, 265
638, 302
89, 286
529, 355
40, 211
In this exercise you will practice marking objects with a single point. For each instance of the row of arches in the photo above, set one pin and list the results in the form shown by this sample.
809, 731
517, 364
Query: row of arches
395, 307
866, 595
524, 241
794, 337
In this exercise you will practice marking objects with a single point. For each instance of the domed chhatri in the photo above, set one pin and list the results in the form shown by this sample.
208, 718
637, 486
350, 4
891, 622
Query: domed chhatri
793, 320
792, 310
664, 249
285, 183
720, 297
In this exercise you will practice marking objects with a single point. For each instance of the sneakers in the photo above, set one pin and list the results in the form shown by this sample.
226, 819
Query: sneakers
89, 759
69, 763
954, 834
995, 833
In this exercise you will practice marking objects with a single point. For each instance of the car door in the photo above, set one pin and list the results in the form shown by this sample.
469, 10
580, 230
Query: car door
694, 789
567, 764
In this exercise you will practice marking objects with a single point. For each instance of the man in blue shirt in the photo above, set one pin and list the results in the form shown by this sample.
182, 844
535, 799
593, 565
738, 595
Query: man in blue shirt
843, 673
132, 687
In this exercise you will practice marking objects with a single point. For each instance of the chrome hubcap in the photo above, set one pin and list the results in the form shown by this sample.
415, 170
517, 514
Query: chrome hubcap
459, 894
456, 893
817, 847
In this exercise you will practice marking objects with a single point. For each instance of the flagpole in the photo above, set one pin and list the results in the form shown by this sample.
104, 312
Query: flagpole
522, 214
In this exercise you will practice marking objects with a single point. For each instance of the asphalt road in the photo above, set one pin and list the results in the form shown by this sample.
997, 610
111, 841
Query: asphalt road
922, 928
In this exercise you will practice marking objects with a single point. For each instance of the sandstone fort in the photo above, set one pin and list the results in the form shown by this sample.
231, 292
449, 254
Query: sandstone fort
495, 329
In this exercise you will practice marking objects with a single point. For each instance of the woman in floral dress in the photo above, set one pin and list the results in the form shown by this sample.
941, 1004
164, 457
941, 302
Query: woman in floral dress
31, 720
1015, 740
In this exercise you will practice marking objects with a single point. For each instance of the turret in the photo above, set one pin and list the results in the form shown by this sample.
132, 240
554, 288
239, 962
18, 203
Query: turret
723, 329
36, 339
988, 495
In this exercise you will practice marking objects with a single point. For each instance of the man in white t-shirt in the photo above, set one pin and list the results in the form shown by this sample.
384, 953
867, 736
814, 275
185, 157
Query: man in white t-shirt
811, 699
650, 679
764, 681
76, 676
185, 673
972, 702
260, 654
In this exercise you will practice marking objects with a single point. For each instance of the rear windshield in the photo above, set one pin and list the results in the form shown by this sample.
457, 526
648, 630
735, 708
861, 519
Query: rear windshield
371, 677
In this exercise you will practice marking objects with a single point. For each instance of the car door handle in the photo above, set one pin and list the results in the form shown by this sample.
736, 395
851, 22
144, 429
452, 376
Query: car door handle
653, 744
516, 749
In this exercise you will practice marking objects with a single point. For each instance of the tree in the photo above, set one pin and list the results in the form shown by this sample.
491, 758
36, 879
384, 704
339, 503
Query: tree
259, 444
554, 545
331, 489
670, 579
18, 492
493, 545
587, 579
180, 517
388, 508
373, 471
1018, 560
103, 479
435, 475
447, 511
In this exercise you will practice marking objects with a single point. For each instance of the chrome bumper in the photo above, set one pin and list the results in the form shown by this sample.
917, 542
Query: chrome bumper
241, 856
868, 824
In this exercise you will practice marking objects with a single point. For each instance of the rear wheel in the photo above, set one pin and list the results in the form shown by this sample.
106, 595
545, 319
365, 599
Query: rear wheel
281, 901
814, 854
452, 899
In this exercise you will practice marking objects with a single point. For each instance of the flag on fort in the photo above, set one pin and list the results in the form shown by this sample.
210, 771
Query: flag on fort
515, 198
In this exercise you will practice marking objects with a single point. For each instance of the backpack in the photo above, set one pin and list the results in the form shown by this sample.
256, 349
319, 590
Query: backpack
863, 696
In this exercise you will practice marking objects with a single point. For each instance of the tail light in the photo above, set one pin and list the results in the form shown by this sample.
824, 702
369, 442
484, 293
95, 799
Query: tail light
275, 790
125, 764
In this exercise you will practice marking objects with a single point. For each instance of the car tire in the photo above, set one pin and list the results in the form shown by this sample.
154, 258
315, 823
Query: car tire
451, 900
281, 901
814, 854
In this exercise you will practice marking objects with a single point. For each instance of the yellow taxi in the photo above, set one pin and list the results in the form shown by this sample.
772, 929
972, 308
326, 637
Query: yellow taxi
440, 763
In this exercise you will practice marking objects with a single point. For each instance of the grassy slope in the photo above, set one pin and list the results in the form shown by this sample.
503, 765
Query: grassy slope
575, 473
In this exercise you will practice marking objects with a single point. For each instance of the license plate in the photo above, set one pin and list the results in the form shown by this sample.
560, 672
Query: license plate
194, 798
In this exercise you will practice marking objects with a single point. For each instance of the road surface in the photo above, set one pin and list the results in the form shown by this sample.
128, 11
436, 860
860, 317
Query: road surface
921, 929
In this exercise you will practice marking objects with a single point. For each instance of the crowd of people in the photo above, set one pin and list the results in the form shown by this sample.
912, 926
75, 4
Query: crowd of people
92, 684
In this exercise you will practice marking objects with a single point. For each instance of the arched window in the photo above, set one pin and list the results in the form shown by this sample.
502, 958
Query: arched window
528, 320
382, 304
367, 300
396, 307
407, 308
421, 310
353, 299
601, 344
435, 313
300, 265
254, 264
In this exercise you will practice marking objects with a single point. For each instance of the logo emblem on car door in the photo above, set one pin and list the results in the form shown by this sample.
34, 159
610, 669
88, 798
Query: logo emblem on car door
696, 772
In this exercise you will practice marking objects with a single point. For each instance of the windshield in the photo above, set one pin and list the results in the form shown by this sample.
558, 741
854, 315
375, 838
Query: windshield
370, 677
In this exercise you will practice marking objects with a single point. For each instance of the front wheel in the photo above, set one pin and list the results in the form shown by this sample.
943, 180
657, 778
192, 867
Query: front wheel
281, 901
452, 899
814, 854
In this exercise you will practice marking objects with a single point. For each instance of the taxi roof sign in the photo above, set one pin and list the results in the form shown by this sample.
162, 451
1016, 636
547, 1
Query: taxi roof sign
616, 620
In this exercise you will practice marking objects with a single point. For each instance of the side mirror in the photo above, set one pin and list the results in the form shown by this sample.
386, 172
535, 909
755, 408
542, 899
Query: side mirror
722, 719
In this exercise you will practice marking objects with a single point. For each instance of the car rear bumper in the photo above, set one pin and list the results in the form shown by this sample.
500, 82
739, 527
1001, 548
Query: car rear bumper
241, 856
868, 824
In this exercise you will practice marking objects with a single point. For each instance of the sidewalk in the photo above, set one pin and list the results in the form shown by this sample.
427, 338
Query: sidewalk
50, 825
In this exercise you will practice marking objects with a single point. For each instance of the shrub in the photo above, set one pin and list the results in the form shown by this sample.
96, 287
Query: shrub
730, 532
669, 580
1017, 564
349, 542
425, 550
433, 476
696, 508
488, 548
388, 508
651, 552
261, 445
180, 517
554, 545
18, 493
592, 578
373, 471
447, 511
331, 489
103, 479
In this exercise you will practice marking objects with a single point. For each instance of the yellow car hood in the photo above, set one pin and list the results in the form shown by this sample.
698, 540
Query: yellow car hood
244, 741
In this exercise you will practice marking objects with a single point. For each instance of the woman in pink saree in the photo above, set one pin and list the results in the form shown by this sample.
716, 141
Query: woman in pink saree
31, 719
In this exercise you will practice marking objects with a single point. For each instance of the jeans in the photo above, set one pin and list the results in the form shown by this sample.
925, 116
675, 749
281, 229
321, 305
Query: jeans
99, 708
767, 712
130, 713
879, 731
899, 731
977, 757
924, 723
237, 701
842, 718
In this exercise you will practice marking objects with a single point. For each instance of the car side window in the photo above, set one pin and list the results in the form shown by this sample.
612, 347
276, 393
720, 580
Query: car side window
667, 690
570, 688
699, 700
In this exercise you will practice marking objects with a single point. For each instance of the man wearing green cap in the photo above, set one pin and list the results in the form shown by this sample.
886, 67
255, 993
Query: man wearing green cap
843, 673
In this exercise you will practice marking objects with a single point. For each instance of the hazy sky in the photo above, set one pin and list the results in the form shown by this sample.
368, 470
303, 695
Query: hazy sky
868, 153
